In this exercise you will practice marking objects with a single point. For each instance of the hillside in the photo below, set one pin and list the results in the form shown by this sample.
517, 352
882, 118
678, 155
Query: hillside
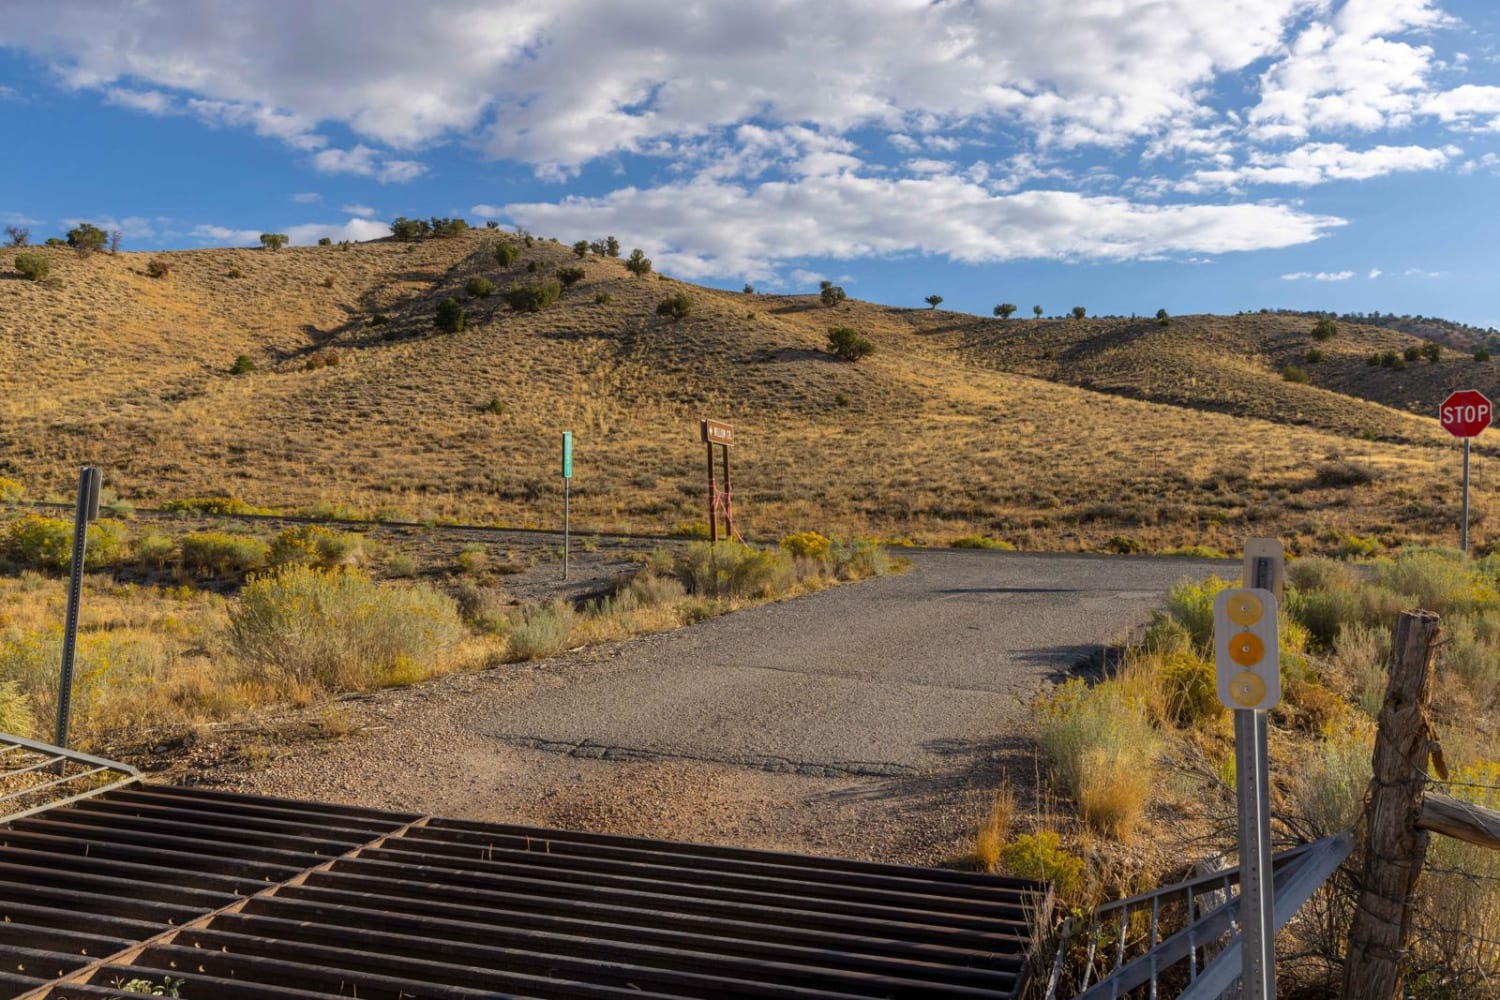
1047, 433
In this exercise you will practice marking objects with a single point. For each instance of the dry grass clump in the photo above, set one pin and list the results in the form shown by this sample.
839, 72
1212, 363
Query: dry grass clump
542, 631
995, 830
338, 630
1103, 751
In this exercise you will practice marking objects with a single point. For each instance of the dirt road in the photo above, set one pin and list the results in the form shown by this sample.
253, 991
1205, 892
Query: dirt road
870, 721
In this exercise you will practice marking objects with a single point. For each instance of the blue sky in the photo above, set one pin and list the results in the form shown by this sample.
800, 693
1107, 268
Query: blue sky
1196, 155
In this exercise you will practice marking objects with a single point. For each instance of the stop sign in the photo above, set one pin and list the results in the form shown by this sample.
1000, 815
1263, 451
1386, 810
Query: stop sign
1465, 413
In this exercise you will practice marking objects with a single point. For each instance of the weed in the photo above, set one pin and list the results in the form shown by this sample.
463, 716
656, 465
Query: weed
1103, 751
981, 542
243, 365
807, 545
992, 834
168, 987
11, 490
314, 545
15, 710
1041, 856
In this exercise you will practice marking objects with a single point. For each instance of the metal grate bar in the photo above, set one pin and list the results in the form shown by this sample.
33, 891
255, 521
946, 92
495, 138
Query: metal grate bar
250, 898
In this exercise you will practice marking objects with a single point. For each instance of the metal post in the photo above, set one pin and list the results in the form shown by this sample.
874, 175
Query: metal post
1464, 543
713, 507
1257, 927
728, 497
87, 510
567, 513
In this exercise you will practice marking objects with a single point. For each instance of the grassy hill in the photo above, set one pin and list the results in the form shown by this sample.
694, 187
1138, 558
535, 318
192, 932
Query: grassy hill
1044, 433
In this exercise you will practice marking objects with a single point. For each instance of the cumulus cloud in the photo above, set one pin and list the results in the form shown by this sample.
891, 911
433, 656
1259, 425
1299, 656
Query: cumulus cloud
366, 162
1319, 276
1319, 163
705, 228
304, 234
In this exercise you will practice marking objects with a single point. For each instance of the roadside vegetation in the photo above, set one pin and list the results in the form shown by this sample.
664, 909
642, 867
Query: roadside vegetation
1140, 764
185, 625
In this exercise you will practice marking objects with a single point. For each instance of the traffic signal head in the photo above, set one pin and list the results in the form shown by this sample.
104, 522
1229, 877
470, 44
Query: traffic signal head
1247, 650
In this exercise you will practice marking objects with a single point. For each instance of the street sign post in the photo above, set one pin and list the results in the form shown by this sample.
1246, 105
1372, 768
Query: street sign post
716, 432
567, 471
1247, 654
89, 479
1464, 414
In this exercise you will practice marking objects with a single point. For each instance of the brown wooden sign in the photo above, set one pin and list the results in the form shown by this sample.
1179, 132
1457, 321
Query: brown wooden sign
715, 432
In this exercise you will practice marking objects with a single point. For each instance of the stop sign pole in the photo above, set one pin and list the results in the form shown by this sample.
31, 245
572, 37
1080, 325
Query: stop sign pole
1464, 414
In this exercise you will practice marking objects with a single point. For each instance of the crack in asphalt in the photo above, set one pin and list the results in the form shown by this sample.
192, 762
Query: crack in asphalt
589, 750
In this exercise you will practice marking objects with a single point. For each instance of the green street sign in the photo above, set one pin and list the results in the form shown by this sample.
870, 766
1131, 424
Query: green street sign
567, 454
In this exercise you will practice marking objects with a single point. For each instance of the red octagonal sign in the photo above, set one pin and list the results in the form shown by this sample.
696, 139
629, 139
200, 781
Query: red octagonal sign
1465, 413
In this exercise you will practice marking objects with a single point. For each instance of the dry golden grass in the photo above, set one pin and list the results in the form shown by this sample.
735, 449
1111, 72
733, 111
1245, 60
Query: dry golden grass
1045, 434
992, 834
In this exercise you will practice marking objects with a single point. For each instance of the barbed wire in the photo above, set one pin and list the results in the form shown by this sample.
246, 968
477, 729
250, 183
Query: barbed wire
1473, 876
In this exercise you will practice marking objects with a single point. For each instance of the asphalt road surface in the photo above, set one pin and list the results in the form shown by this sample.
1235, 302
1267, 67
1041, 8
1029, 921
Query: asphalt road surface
886, 678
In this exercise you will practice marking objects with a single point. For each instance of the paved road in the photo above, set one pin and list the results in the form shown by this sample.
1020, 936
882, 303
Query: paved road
887, 678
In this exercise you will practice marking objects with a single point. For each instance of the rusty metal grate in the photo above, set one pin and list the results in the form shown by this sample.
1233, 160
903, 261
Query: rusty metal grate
242, 897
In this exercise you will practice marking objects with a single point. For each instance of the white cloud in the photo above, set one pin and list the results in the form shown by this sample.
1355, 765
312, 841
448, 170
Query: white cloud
17, 219
307, 198
366, 162
1463, 105
1375, 272
1318, 276
401, 75
1417, 272
355, 229
704, 228
223, 235
9, 94
1319, 163
152, 102
305, 234
363, 211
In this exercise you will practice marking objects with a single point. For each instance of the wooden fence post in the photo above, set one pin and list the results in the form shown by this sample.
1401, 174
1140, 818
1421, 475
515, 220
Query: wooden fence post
1394, 846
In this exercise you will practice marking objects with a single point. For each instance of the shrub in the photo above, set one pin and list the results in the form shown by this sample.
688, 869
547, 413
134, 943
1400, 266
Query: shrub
243, 365
314, 545
831, 294
450, 316
338, 629
158, 267
859, 559
1340, 472
479, 287
1313, 356
409, 230
807, 545
849, 344
581, 249
1482, 354
933, 301
325, 241
1328, 791
33, 266
603, 299
1324, 329
1079, 312
1036, 311
234, 272
506, 254
675, 307
570, 276
749, 289
638, 263
1041, 856
155, 550
1412, 354
733, 569
1432, 352
981, 542
328, 281
1005, 310
273, 241
543, 631
220, 553
1192, 605
379, 319
11, 490
1292, 373
534, 297
37, 542
1190, 685
87, 238
321, 359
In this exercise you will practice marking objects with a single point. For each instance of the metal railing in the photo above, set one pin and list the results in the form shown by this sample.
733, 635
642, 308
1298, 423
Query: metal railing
1139, 939
36, 776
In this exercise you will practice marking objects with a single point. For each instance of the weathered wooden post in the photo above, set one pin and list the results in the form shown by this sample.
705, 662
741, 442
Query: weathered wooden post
1395, 847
